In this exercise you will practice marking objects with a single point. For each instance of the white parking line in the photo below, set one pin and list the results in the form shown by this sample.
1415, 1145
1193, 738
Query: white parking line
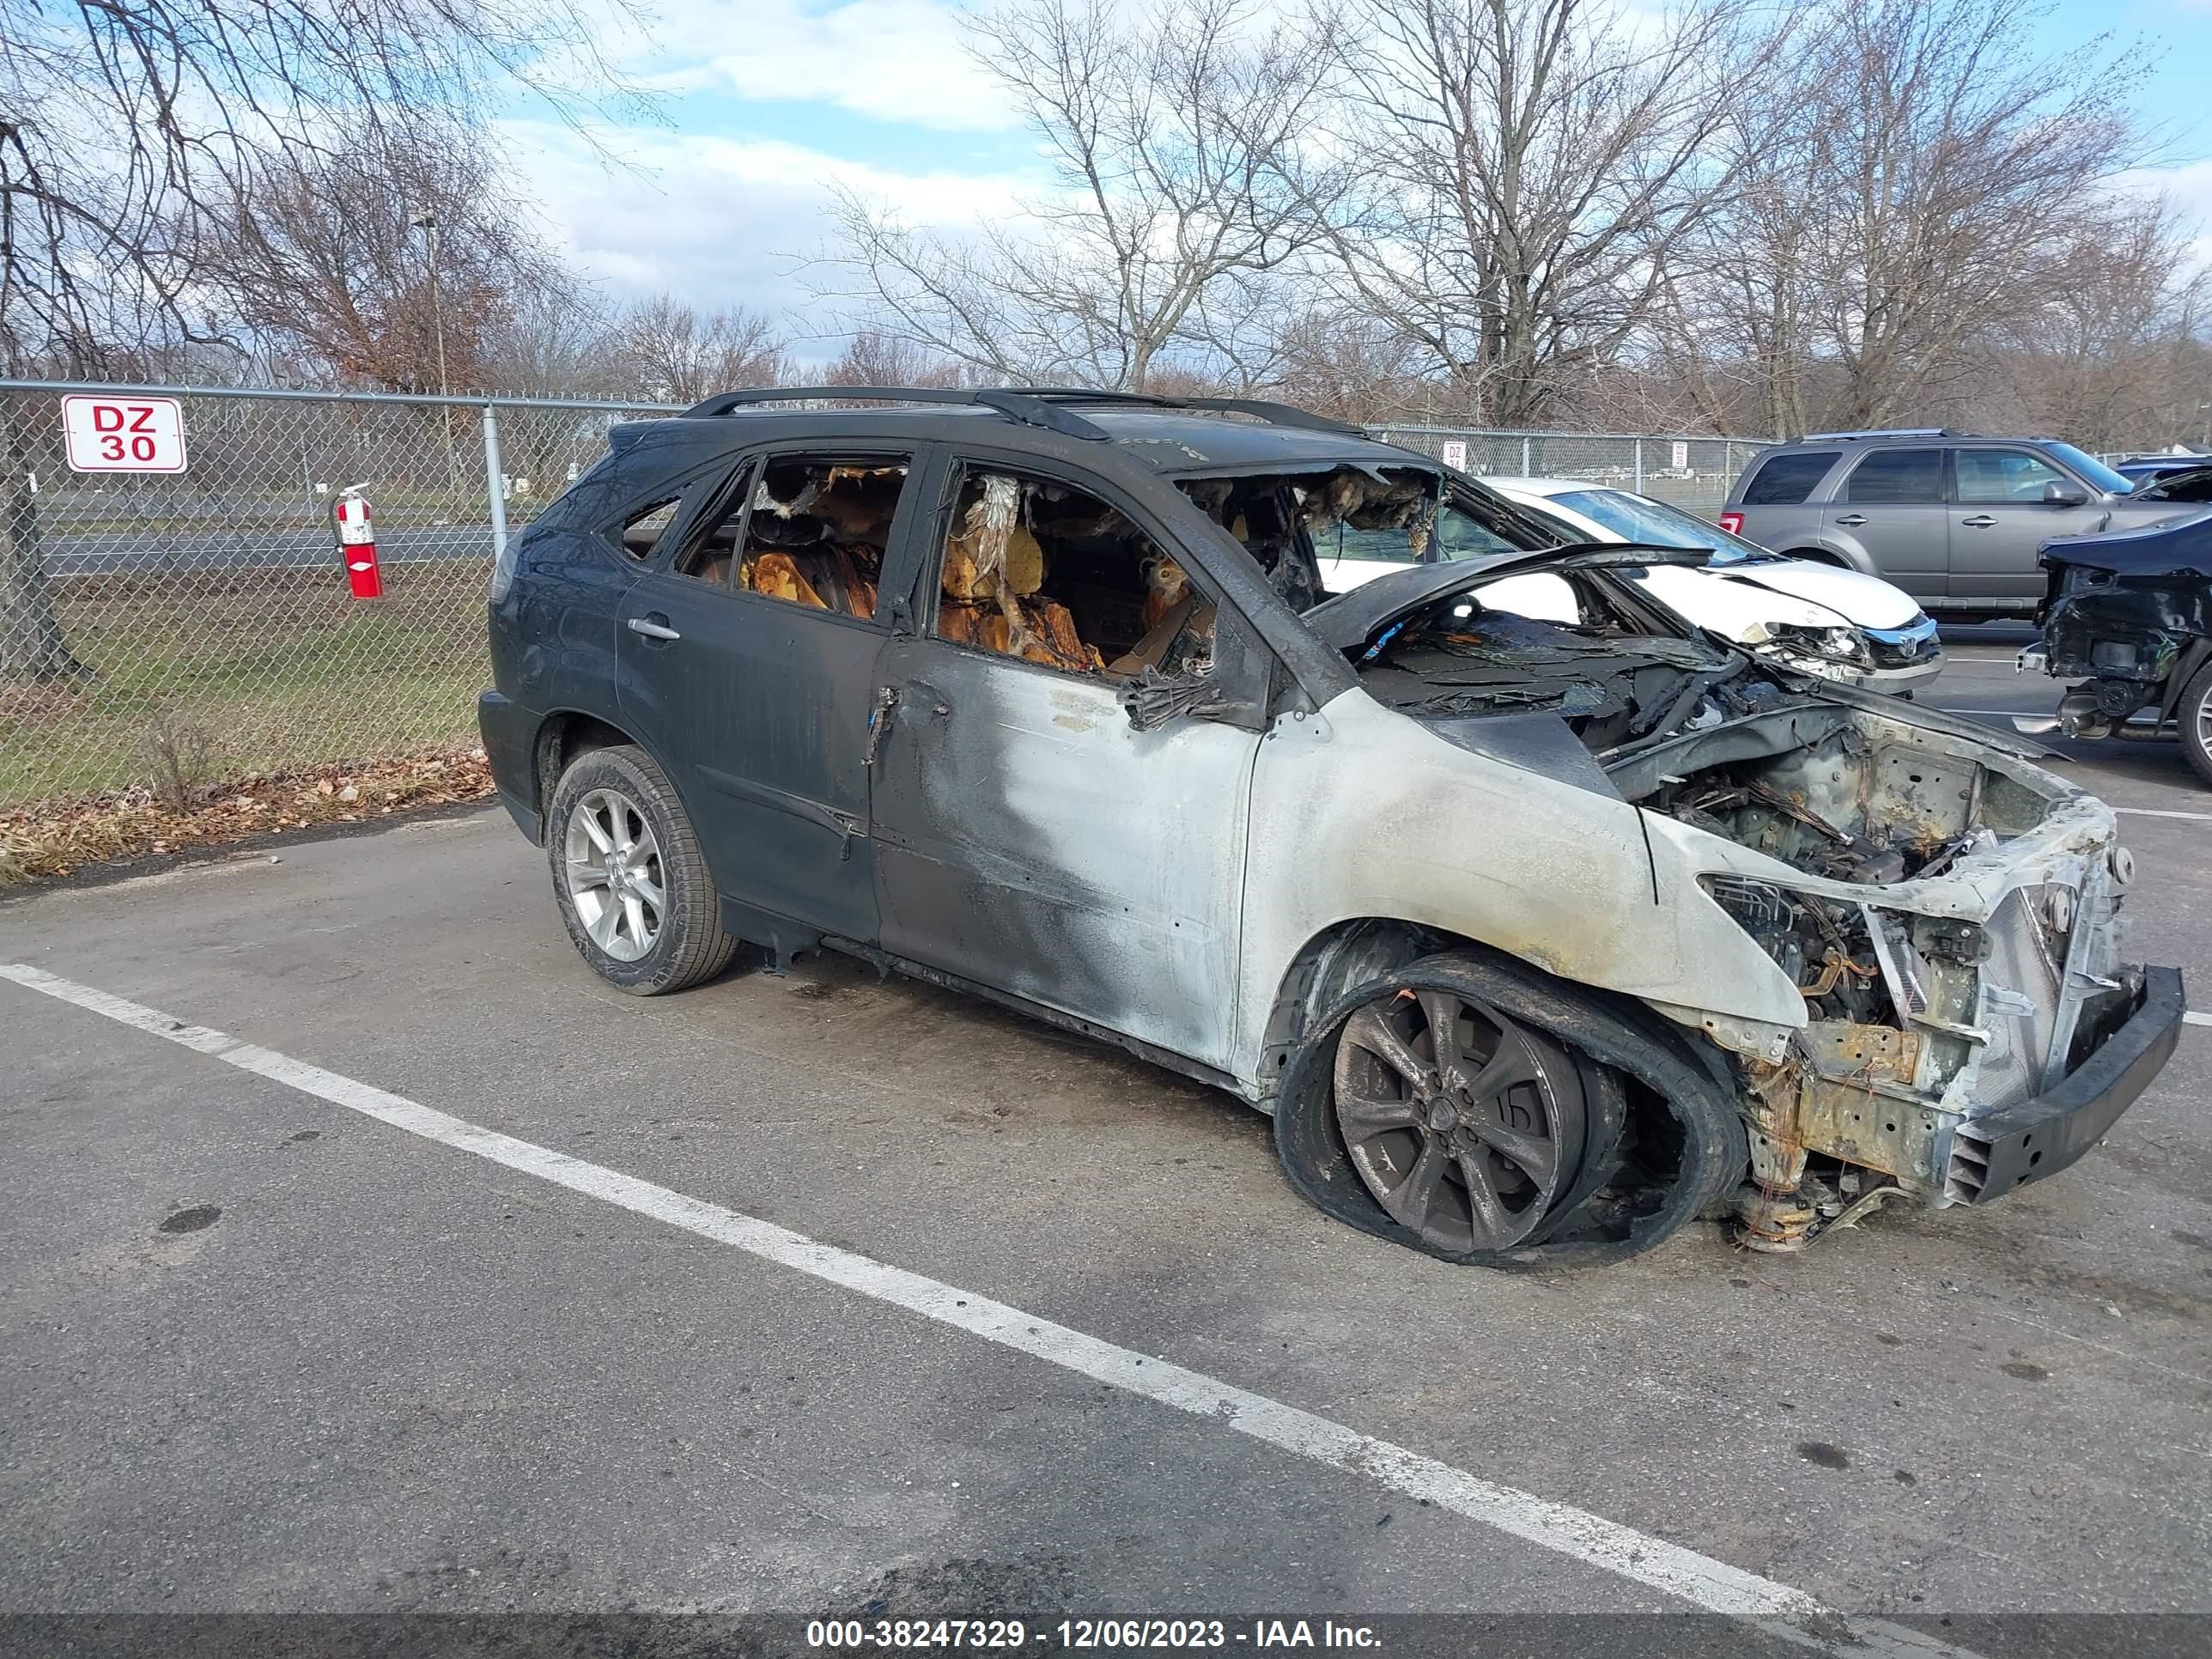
2161, 812
1714, 1585
2196, 1019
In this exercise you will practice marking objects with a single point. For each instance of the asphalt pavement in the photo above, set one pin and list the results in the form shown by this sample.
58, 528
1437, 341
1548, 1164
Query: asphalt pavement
121, 550
275, 1339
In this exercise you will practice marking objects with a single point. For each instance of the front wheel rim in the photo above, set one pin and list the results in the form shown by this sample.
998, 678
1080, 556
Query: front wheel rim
1463, 1124
617, 885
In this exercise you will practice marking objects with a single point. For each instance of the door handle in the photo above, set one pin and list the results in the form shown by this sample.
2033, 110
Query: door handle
1979, 521
652, 630
1852, 521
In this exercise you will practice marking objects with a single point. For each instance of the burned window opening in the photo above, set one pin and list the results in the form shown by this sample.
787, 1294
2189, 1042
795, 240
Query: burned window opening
1052, 574
643, 528
1287, 522
815, 531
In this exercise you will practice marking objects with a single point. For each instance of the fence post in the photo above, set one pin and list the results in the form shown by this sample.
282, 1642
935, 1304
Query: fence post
1527, 471
1639, 466
495, 483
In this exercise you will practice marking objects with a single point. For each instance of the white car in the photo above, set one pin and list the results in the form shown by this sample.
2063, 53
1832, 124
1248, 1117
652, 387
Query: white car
1816, 618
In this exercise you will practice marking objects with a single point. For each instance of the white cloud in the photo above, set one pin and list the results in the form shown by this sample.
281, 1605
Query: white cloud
717, 221
895, 60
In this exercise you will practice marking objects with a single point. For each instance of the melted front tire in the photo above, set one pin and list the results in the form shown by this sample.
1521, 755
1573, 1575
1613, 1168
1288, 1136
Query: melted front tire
1559, 1127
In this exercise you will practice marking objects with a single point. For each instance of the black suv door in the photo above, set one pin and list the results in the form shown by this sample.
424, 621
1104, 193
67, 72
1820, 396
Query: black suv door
748, 663
1031, 838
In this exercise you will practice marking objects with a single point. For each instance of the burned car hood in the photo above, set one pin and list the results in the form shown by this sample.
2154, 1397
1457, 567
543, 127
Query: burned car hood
1350, 620
2180, 546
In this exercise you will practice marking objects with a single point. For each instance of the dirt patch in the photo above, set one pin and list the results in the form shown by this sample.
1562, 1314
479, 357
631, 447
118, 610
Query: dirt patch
62, 838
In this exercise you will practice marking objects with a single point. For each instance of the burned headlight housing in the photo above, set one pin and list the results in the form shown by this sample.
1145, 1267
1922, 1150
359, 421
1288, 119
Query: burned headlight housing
1841, 645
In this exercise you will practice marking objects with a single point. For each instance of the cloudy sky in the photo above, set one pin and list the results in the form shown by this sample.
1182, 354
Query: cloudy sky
766, 102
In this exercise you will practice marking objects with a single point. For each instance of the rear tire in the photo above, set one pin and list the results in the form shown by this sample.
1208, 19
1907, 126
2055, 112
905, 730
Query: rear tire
2193, 714
633, 888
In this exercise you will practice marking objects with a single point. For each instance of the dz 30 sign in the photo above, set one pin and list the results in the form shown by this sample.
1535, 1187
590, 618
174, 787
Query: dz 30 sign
123, 434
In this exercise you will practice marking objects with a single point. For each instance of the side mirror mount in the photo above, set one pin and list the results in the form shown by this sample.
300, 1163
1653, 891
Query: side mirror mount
2063, 495
1152, 699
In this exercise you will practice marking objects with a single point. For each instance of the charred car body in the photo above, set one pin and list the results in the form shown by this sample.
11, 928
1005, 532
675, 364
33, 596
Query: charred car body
1538, 938
2129, 616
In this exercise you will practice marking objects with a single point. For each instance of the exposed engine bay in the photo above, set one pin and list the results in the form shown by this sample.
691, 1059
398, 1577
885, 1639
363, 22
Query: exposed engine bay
1947, 911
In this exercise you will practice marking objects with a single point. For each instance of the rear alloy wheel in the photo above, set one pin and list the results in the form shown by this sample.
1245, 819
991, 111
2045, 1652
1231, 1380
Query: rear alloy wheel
634, 888
617, 881
1464, 1124
2194, 717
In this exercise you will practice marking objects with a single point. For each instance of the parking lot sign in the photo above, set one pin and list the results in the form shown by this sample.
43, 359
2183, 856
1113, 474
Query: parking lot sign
123, 434
1456, 453
1681, 456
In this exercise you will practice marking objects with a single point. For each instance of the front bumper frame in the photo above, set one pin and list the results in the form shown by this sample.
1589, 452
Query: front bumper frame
2038, 1137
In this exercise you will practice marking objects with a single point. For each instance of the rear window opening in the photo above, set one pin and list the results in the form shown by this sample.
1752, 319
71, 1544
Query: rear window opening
643, 530
1788, 479
1052, 574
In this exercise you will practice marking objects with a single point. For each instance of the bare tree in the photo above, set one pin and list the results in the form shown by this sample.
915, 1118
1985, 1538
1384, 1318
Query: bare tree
556, 339
1174, 136
874, 357
1915, 185
1946, 150
1526, 167
1354, 366
130, 128
2107, 351
667, 352
327, 257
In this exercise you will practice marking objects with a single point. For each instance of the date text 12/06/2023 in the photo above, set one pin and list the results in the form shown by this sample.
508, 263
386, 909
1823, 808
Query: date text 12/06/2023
1083, 1634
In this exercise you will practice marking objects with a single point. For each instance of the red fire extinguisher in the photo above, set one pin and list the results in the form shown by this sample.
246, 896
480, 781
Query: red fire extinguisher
356, 539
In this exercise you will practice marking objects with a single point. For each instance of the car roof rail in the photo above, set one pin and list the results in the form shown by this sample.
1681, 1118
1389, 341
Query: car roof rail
1046, 406
1259, 409
1015, 405
1885, 432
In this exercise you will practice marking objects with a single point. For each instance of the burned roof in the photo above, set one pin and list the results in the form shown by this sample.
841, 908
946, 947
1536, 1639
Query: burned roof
1175, 437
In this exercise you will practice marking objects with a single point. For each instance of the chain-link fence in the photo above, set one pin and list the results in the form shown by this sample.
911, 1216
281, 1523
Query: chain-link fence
1694, 473
170, 629
174, 628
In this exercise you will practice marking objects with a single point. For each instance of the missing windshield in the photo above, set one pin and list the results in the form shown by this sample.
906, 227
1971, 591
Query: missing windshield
1321, 532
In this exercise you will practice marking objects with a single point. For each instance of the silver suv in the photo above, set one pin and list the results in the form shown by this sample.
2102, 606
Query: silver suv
1953, 519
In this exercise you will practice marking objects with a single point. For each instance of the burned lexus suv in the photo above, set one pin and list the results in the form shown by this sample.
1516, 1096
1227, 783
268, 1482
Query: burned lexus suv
1539, 934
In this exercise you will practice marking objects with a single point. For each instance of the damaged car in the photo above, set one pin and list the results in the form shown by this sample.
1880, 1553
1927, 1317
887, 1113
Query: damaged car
1539, 935
1820, 619
2128, 616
